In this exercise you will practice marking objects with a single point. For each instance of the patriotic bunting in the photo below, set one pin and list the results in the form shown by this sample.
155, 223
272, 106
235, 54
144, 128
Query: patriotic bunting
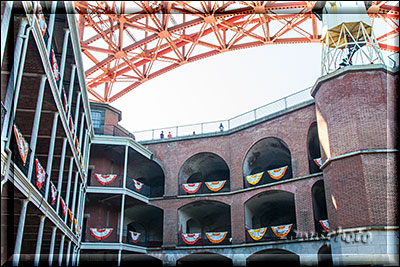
71, 127
105, 179
318, 161
215, 186
325, 224
41, 19
277, 173
101, 233
63, 206
23, 147
137, 185
191, 188
191, 239
54, 66
282, 230
255, 178
53, 193
40, 175
65, 102
75, 226
134, 236
257, 234
70, 217
217, 237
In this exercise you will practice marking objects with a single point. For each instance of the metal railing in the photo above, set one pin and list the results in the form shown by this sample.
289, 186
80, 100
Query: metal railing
196, 129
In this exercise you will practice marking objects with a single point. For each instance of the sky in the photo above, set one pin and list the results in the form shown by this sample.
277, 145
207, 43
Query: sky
221, 87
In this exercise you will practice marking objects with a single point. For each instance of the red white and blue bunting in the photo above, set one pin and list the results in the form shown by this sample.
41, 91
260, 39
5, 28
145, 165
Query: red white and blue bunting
137, 185
255, 178
325, 224
318, 161
65, 102
216, 237
134, 236
23, 147
277, 173
257, 234
41, 20
63, 206
40, 174
53, 193
101, 233
282, 230
71, 127
215, 186
54, 66
105, 179
191, 188
192, 238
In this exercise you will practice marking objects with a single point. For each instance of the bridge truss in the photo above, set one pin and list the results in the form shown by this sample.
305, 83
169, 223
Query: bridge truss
128, 43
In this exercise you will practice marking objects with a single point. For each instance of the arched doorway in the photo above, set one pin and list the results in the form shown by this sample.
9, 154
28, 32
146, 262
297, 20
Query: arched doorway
272, 257
314, 151
204, 259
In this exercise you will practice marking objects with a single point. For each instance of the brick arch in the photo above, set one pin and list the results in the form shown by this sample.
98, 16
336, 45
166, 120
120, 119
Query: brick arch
273, 255
201, 258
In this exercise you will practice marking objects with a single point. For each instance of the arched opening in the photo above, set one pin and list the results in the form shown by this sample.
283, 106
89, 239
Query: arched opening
314, 152
204, 222
143, 224
267, 161
273, 257
204, 259
319, 207
270, 215
204, 173
147, 172
325, 256
135, 259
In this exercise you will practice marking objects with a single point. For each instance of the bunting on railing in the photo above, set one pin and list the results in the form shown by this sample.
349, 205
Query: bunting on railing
54, 66
134, 236
282, 230
216, 237
277, 173
63, 206
137, 185
101, 233
191, 188
23, 147
105, 179
76, 226
255, 178
71, 218
215, 186
257, 234
191, 239
71, 127
41, 19
40, 174
318, 161
65, 102
53, 193
325, 224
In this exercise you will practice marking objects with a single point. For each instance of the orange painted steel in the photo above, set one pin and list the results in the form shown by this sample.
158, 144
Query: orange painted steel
129, 43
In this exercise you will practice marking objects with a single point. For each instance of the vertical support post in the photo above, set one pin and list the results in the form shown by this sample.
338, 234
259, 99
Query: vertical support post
13, 78
20, 232
39, 240
51, 25
52, 243
68, 254
61, 252
125, 166
71, 89
119, 257
5, 24
63, 57
78, 103
61, 173
71, 166
50, 154
36, 123
121, 226
74, 193
73, 261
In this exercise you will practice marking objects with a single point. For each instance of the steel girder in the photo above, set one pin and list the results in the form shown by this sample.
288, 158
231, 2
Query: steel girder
128, 43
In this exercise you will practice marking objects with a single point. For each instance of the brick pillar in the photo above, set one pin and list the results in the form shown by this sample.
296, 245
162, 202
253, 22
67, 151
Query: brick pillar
170, 226
237, 221
304, 209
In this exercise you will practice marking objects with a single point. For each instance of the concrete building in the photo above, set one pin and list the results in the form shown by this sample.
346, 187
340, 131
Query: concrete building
311, 183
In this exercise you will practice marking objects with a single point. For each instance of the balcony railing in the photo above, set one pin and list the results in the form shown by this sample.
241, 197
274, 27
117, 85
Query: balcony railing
271, 233
278, 106
113, 130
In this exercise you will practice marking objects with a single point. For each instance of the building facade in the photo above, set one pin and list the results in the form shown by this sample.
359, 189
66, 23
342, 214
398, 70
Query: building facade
313, 184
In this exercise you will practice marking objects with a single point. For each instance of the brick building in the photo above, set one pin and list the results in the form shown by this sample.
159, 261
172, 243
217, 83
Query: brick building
311, 184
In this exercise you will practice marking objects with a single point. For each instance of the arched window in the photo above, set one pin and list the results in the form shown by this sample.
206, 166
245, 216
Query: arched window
319, 207
314, 152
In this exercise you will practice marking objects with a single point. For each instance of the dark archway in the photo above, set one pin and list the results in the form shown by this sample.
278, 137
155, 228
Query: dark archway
325, 256
272, 257
313, 146
319, 205
204, 259
204, 167
267, 154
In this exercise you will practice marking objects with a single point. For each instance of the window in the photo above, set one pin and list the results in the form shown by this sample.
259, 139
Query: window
98, 121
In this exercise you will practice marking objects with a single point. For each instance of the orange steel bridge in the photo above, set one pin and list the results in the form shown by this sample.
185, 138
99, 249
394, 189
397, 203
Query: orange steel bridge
128, 43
